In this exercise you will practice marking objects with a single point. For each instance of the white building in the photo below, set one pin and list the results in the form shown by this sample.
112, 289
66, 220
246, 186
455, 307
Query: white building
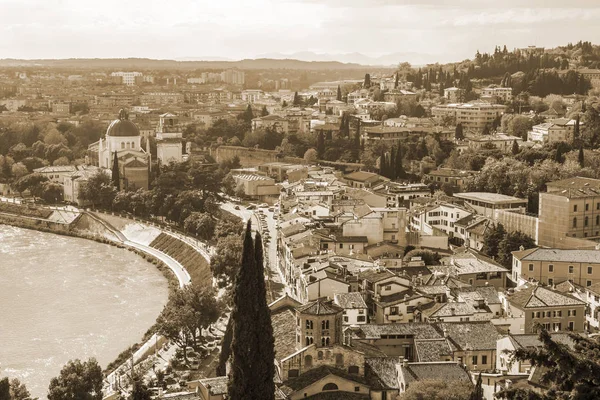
128, 78
355, 308
169, 139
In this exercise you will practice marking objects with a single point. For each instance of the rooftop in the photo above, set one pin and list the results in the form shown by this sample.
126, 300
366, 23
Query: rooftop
574, 256
429, 350
320, 307
539, 296
492, 198
350, 300
448, 371
381, 372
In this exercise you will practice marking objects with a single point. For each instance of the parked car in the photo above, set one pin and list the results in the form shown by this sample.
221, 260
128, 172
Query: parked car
236, 207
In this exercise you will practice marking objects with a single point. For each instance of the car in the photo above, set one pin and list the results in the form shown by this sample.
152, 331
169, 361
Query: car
263, 205
236, 207
251, 207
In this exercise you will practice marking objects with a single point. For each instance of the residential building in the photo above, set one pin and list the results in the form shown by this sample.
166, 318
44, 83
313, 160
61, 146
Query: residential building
169, 139
552, 266
355, 308
363, 179
453, 177
408, 373
542, 306
554, 131
475, 269
496, 94
501, 141
396, 95
486, 204
127, 78
454, 94
506, 364
275, 122
593, 75
473, 116
569, 208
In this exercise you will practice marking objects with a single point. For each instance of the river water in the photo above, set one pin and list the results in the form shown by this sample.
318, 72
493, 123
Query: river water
63, 298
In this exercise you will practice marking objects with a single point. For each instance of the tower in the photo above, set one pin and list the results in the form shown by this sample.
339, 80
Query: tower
319, 322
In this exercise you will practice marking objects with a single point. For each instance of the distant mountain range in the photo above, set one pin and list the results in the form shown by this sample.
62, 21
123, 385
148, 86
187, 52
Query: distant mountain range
392, 59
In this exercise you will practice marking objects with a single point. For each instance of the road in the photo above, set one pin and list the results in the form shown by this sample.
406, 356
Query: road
277, 288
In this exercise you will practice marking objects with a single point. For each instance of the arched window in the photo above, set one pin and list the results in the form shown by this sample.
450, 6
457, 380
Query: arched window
128, 145
307, 341
330, 386
323, 341
308, 361
339, 359
327, 341
309, 324
320, 355
122, 145
575, 222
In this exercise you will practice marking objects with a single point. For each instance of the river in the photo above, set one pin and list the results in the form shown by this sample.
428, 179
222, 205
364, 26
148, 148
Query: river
63, 298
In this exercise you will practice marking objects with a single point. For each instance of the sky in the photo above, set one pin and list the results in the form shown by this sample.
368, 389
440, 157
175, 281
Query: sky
449, 30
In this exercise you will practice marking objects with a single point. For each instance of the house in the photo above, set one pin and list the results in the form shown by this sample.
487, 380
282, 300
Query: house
496, 94
506, 364
456, 312
355, 308
409, 373
363, 179
325, 382
550, 266
541, 306
473, 344
453, 177
554, 131
454, 94
274, 122
592, 312
501, 141
475, 269
382, 375
210, 388
399, 307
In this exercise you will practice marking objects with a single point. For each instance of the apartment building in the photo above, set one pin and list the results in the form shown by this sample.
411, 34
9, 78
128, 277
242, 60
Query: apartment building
552, 266
486, 204
542, 306
473, 116
493, 94
557, 130
569, 208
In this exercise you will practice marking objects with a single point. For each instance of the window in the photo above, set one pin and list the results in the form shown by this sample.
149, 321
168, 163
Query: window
530, 267
345, 318
341, 245
325, 324
575, 208
588, 283
590, 269
556, 326
320, 355
394, 310
339, 360
330, 386
388, 287
361, 318
571, 325
598, 218
537, 314
587, 207
308, 361
550, 268
571, 269
484, 360
309, 324
574, 222
550, 281
474, 360
357, 388
353, 369
585, 221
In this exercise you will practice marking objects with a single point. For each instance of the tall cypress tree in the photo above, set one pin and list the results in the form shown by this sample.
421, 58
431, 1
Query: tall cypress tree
264, 369
320, 145
116, 176
392, 169
477, 393
357, 142
580, 157
338, 97
576, 130
400, 173
382, 166
243, 315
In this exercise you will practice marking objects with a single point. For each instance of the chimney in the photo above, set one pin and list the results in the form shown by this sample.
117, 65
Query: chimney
452, 311
445, 331
405, 362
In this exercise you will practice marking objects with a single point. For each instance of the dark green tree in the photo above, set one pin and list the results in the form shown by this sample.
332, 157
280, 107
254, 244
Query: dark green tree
320, 145
576, 132
486, 130
569, 373
367, 82
477, 393
356, 142
77, 381
458, 132
338, 97
244, 350
581, 157
264, 369
140, 391
392, 168
247, 116
515, 148
264, 112
491, 240
4, 389
512, 242
296, 101
400, 173
116, 176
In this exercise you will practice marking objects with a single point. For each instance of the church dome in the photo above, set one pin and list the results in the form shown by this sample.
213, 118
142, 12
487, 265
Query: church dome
122, 127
